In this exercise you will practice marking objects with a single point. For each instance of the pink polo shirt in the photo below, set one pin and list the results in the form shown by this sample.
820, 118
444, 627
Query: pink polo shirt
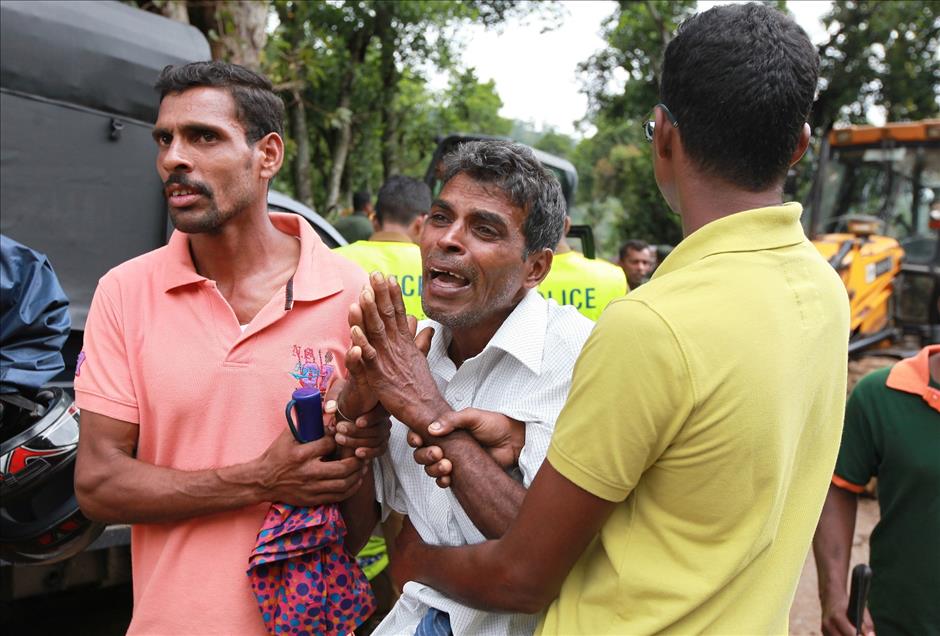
164, 350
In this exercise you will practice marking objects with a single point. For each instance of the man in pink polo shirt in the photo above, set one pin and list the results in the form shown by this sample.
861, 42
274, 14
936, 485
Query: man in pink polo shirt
191, 353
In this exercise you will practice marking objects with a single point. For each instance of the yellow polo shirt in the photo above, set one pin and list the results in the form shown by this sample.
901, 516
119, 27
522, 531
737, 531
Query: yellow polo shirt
398, 258
708, 404
587, 284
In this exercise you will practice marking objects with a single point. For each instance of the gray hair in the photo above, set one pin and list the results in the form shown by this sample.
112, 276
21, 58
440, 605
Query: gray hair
515, 171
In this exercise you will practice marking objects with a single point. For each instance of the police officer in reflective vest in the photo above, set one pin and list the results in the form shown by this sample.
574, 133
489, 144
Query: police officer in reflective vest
587, 284
392, 249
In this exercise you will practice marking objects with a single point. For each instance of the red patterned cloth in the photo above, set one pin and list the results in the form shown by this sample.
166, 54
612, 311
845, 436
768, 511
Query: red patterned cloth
303, 578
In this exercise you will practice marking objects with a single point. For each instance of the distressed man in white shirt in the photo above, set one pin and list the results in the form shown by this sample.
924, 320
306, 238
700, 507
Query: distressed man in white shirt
499, 360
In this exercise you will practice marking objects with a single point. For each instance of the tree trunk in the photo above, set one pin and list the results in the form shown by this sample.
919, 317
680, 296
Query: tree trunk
235, 29
174, 10
357, 53
340, 149
389, 74
665, 33
298, 121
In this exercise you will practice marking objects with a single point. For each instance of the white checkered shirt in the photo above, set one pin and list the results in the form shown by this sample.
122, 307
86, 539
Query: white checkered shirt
524, 372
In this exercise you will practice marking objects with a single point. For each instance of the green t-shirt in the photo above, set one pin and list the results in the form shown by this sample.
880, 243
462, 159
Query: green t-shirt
896, 436
355, 227
392, 258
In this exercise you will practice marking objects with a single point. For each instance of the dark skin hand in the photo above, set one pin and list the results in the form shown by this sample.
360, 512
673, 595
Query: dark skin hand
501, 436
832, 548
387, 356
366, 437
511, 574
392, 363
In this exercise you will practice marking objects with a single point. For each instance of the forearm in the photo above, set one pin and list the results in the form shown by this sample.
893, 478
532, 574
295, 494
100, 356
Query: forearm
127, 490
489, 496
361, 514
484, 576
832, 544
525, 569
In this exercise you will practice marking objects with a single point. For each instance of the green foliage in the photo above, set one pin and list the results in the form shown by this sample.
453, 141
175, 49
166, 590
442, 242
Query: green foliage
879, 53
884, 54
556, 143
362, 66
617, 192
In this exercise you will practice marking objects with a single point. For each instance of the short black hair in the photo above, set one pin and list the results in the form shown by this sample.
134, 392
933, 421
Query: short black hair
402, 199
259, 110
513, 169
633, 244
361, 199
740, 81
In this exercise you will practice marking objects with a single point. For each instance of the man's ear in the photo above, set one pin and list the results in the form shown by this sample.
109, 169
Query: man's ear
802, 144
414, 230
663, 134
271, 148
538, 266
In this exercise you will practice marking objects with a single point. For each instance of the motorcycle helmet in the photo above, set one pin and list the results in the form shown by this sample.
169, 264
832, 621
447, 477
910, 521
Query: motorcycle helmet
40, 521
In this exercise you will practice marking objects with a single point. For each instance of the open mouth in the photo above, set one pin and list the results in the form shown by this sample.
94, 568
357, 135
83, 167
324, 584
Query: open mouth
181, 196
447, 279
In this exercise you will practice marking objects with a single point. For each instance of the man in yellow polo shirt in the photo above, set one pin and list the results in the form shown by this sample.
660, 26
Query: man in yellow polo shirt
392, 249
585, 283
690, 464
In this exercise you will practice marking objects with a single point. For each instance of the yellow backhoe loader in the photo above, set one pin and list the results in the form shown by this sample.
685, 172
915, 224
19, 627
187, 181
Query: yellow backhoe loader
874, 214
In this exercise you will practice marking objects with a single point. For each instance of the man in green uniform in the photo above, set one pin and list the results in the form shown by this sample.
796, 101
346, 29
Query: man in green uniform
392, 249
585, 283
892, 431
358, 225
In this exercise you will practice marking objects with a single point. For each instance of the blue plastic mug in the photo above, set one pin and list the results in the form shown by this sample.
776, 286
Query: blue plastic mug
307, 403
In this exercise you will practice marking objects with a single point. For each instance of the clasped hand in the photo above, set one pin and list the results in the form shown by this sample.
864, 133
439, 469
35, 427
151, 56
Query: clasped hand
389, 359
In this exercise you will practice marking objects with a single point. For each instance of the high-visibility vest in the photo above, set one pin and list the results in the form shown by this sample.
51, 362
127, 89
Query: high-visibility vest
585, 283
392, 258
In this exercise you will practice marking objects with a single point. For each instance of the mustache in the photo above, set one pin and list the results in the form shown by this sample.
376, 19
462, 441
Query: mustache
196, 186
452, 262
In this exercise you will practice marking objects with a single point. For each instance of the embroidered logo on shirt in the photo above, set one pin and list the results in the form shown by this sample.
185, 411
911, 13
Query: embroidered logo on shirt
314, 368
79, 363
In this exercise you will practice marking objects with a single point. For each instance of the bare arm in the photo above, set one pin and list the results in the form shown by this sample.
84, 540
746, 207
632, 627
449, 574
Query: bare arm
361, 513
512, 573
112, 485
489, 496
832, 549
367, 437
484, 445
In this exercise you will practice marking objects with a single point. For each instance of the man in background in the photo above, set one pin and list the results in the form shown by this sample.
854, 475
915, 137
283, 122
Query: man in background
637, 261
892, 431
586, 284
392, 248
358, 225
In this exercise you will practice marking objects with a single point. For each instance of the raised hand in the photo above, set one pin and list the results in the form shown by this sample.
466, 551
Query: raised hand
386, 352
